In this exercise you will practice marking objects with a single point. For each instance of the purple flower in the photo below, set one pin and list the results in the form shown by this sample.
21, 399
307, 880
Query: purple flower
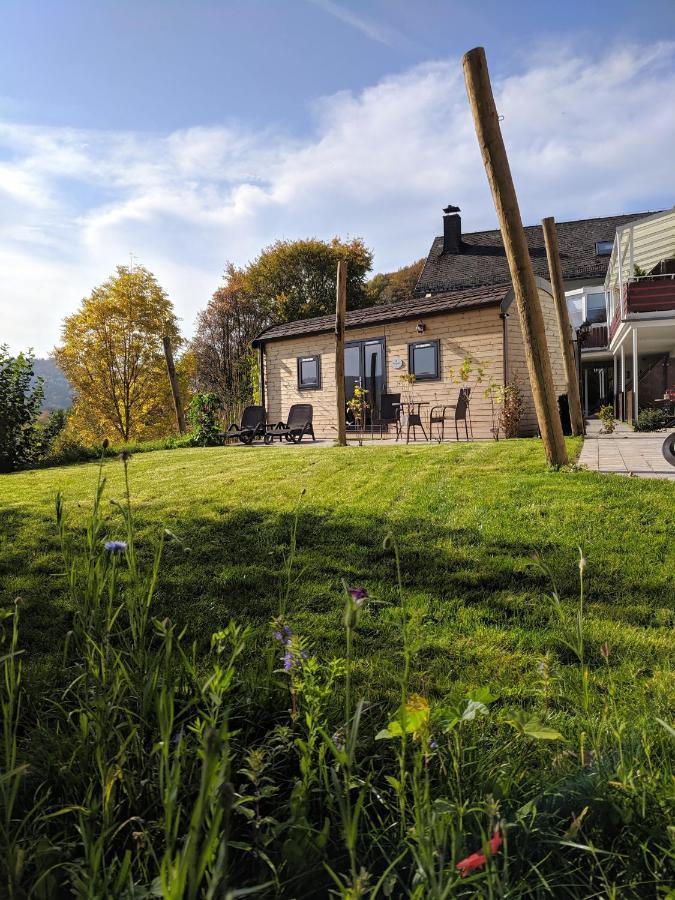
283, 635
433, 745
293, 659
115, 546
358, 594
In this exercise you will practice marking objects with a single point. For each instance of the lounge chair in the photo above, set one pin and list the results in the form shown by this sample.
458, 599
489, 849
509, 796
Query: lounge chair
299, 424
252, 426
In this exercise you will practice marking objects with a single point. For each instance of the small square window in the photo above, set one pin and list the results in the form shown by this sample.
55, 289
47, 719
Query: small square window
604, 248
309, 373
424, 360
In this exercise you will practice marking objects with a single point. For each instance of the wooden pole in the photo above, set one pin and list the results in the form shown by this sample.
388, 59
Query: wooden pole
496, 163
173, 380
564, 326
340, 313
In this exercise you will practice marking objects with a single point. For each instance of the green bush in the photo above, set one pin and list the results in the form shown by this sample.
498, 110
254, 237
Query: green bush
20, 401
606, 416
651, 420
67, 449
203, 415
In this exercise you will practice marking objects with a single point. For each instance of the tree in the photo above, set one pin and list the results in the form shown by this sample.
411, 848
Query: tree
391, 287
20, 400
224, 362
296, 279
112, 355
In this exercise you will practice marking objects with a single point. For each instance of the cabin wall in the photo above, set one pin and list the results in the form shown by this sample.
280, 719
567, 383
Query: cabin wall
517, 364
477, 334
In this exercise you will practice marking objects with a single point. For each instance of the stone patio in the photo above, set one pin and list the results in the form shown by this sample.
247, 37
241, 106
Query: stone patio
625, 451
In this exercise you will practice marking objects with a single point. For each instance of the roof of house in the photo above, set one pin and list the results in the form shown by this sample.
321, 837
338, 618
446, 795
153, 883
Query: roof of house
482, 259
412, 308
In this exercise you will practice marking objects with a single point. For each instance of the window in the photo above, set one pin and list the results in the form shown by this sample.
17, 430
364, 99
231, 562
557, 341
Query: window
595, 308
309, 373
424, 360
604, 248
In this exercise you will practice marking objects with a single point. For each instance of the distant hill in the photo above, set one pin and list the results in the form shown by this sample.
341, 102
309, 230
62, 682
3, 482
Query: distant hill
58, 392
390, 287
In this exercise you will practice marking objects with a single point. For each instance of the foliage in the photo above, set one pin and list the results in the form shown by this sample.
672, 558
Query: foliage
204, 417
158, 765
20, 401
357, 406
48, 428
512, 405
651, 420
606, 416
296, 279
112, 355
224, 362
392, 287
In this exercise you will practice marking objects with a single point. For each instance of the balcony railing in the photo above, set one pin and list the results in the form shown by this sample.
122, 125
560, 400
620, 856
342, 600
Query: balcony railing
597, 338
643, 294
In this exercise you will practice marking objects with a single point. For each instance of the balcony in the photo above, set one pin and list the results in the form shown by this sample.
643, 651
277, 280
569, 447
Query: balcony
651, 294
597, 338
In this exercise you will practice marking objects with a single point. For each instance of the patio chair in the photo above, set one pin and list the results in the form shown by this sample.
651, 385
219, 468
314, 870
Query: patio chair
459, 412
252, 425
387, 414
299, 424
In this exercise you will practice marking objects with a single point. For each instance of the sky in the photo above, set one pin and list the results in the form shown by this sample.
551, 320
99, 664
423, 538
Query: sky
194, 133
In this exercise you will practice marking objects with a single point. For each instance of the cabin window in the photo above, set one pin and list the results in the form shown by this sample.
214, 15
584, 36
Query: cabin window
309, 373
604, 248
424, 360
595, 308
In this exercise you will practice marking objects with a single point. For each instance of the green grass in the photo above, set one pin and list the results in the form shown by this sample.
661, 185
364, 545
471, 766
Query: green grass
468, 519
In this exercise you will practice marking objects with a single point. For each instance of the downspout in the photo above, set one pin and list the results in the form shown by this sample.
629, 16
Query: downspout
261, 369
505, 345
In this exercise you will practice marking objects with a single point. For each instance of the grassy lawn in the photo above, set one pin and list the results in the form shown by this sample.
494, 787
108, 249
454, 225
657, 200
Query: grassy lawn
467, 520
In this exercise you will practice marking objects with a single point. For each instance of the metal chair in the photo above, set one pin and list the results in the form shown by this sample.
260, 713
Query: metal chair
461, 410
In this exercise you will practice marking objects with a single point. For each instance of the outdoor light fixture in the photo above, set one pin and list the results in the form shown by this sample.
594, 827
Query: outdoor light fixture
421, 327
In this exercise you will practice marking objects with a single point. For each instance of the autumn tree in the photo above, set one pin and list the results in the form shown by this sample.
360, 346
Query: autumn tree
296, 279
112, 355
223, 359
391, 287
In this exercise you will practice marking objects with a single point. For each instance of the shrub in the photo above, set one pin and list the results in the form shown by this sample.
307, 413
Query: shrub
651, 420
606, 416
511, 413
203, 415
20, 400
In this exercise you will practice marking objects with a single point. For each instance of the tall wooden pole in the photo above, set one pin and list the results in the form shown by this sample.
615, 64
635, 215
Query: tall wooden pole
171, 369
340, 313
520, 265
564, 326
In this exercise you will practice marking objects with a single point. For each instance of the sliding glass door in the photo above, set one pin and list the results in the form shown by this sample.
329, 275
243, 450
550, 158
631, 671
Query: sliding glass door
364, 366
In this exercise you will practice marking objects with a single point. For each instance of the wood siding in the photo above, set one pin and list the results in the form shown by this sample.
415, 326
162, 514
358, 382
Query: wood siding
517, 366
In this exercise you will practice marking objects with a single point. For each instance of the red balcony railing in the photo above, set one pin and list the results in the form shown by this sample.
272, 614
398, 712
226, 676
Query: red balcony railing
654, 294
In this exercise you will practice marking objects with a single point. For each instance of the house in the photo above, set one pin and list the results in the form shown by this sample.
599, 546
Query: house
462, 309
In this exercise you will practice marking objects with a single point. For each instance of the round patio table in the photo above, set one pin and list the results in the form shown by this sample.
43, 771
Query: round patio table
412, 410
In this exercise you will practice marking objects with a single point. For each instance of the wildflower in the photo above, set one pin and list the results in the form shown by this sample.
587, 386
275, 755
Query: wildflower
339, 740
283, 634
106, 443
477, 860
433, 745
116, 546
604, 650
124, 456
294, 660
358, 594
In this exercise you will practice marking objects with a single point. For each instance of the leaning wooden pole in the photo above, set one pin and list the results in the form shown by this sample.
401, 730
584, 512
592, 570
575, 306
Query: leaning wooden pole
520, 265
340, 314
173, 379
564, 326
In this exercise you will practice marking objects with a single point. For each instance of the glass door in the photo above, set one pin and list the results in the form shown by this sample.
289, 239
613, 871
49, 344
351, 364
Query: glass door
364, 366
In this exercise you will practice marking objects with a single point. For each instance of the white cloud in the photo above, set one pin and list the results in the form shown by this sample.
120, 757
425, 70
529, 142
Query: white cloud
587, 135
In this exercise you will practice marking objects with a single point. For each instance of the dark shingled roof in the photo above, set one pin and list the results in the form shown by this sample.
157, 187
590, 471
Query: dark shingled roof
412, 308
482, 259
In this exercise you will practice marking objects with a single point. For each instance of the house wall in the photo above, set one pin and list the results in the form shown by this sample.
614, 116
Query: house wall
477, 334
517, 365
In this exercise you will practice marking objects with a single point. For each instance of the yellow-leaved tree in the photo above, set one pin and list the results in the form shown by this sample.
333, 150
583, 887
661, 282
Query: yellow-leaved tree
112, 354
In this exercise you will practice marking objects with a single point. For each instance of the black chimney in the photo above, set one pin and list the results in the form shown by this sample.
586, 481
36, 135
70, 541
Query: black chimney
452, 230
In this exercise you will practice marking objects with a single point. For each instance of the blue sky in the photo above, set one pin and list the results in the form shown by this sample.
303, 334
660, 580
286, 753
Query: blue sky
193, 133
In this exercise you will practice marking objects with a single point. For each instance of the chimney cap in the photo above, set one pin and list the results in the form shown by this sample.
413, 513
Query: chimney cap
451, 209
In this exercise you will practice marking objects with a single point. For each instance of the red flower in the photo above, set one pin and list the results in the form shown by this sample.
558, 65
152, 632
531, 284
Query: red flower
476, 860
